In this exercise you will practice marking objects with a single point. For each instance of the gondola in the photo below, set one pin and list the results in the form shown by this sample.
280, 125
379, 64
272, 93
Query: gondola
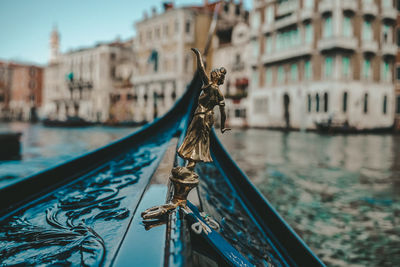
87, 211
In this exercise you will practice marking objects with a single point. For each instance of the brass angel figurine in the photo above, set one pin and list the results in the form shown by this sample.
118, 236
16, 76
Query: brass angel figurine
196, 146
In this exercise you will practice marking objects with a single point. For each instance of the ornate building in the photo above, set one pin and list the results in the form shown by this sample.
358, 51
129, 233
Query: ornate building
322, 60
165, 62
231, 50
89, 82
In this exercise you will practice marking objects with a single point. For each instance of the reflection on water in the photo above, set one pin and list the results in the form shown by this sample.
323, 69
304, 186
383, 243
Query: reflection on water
44, 147
340, 193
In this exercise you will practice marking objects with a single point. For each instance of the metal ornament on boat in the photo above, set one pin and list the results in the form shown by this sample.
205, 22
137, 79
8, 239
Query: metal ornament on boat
196, 145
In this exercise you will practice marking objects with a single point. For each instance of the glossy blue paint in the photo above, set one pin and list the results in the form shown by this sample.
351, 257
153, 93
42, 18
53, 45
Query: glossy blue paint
143, 247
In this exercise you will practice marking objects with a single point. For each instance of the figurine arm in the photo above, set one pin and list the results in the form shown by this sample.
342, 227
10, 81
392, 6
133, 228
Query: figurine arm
221, 104
200, 67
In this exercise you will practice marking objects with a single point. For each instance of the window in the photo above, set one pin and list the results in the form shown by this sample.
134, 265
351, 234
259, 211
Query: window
269, 14
326, 101
287, 39
268, 76
366, 103
384, 104
328, 66
387, 3
256, 20
398, 104
398, 37
347, 27
187, 26
328, 28
346, 66
176, 26
255, 48
344, 104
308, 33
366, 73
294, 72
386, 34
255, 78
281, 74
157, 33
268, 44
317, 103
398, 73
367, 31
386, 75
237, 59
309, 3
309, 103
166, 30
307, 70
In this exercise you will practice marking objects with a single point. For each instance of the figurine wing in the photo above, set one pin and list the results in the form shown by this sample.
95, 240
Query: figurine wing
200, 67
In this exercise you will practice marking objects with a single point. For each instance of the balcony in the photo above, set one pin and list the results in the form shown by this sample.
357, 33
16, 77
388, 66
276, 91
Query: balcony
337, 42
286, 21
349, 5
287, 7
389, 13
369, 46
326, 6
389, 49
306, 13
292, 52
370, 9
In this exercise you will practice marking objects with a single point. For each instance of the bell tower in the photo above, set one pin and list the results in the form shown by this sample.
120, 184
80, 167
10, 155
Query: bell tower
54, 45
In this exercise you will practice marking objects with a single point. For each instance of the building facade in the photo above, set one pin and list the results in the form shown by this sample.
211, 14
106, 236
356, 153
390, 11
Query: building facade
319, 61
88, 82
397, 71
165, 64
5, 89
20, 91
26, 92
231, 50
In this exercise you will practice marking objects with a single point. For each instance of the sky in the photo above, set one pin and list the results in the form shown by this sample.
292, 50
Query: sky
25, 25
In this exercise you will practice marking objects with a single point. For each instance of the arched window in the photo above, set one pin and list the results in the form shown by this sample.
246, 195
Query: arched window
385, 104
344, 105
317, 103
309, 102
366, 103
325, 102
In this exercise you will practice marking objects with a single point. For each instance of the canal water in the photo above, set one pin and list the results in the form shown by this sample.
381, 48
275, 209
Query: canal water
44, 147
341, 194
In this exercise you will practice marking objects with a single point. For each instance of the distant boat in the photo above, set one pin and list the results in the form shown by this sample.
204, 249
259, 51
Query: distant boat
71, 121
329, 127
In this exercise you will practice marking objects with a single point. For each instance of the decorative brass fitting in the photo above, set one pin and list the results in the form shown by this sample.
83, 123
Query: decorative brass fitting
183, 181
